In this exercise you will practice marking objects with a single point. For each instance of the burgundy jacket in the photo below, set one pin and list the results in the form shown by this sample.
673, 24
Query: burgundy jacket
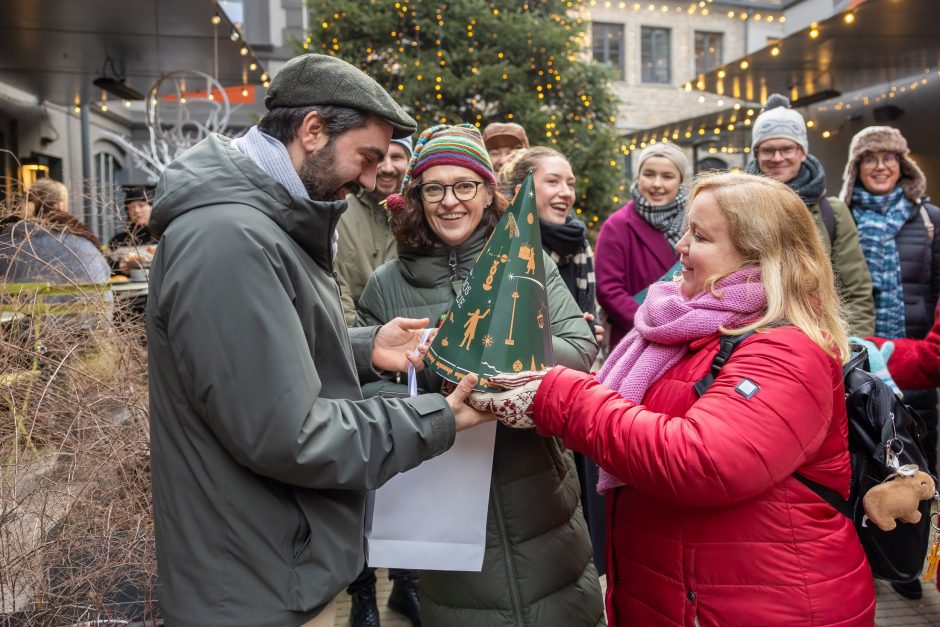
630, 255
712, 528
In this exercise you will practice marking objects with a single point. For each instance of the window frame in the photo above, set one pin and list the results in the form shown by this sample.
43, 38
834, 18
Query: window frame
649, 75
608, 28
719, 54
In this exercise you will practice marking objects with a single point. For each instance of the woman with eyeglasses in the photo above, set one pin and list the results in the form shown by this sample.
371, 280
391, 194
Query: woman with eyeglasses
537, 567
897, 228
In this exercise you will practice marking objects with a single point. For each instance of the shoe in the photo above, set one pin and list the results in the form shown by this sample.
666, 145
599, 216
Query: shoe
405, 600
909, 590
364, 612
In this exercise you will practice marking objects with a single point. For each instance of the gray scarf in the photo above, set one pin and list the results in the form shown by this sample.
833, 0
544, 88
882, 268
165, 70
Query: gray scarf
272, 157
809, 183
668, 219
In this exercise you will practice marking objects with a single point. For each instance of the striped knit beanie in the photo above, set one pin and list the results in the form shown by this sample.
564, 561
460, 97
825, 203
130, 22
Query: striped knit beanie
450, 145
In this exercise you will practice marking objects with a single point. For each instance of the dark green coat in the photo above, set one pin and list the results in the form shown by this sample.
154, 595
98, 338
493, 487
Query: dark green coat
261, 447
537, 567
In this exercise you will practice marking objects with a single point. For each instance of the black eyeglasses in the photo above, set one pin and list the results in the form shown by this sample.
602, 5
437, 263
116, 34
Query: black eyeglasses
463, 190
787, 152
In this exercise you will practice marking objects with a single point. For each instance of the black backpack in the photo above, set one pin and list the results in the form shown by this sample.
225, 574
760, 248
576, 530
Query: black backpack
879, 423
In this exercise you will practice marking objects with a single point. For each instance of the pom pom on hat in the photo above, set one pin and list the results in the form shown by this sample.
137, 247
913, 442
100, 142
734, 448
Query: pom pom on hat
394, 203
779, 121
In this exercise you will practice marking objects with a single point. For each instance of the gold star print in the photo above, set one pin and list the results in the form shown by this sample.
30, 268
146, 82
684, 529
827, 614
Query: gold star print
487, 340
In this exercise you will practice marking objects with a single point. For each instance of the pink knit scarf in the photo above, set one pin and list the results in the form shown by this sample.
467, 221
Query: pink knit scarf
664, 326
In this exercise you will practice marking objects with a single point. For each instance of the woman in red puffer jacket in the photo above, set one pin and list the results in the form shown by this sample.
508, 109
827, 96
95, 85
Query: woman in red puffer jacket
707, 524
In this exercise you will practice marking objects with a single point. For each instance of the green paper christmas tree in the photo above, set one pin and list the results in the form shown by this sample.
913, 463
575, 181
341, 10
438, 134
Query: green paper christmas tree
499, 322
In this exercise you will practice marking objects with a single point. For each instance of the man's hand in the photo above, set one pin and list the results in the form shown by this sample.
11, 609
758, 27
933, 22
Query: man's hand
398, 343
464, 415
598, 329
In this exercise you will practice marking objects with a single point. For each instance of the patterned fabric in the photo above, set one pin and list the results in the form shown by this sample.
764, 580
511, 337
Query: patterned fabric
879, 218
668, 219
460, 145
568, 247
513, 407
664, 326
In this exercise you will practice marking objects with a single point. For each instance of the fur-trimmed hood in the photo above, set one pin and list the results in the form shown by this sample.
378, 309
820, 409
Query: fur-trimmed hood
873, 139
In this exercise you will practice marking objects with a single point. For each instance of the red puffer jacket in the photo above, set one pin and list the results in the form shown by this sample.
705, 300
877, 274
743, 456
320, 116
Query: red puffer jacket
712, 528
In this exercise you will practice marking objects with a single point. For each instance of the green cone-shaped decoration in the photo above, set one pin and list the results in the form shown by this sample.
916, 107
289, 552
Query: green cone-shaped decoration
499, 321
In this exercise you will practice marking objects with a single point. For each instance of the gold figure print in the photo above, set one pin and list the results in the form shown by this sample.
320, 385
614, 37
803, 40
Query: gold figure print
473, 319
527, 253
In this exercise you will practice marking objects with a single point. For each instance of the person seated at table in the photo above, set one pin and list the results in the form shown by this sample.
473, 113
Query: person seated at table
137, 210
40, 242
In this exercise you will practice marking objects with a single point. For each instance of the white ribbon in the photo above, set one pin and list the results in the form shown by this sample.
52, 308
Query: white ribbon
412, 373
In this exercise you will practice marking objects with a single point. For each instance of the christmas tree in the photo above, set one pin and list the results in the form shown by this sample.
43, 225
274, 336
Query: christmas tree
499, 321
478, 61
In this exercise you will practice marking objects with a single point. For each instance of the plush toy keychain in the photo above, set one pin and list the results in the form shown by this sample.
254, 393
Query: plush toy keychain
898, 498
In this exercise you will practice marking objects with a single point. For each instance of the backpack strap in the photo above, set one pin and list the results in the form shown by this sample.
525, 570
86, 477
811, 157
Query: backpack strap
725, 348
828, 495
828, 218
928, 223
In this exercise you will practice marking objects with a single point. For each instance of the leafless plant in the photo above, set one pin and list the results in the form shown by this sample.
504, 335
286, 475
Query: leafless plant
76, 529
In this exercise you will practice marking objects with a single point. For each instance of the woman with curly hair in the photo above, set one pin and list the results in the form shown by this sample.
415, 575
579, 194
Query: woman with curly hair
537, 567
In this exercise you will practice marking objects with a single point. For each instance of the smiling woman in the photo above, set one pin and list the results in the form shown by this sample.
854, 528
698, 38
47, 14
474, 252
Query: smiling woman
448, 209
697, 485
636, 245
898, 232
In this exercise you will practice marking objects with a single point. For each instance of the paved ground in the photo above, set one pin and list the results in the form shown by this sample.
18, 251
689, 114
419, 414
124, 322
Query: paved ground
893, 610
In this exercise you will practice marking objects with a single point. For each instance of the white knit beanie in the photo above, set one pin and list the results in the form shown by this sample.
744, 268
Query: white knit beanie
667, 150
779, 121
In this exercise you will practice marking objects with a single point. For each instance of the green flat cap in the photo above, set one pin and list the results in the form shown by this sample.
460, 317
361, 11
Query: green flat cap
316, 79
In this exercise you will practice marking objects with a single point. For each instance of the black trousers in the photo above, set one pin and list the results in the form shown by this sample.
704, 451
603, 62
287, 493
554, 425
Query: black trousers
366, 579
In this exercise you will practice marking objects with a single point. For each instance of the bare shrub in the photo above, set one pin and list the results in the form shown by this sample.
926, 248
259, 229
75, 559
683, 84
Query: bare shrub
76, 529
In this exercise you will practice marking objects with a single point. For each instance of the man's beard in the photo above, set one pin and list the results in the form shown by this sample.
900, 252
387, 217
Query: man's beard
318, 176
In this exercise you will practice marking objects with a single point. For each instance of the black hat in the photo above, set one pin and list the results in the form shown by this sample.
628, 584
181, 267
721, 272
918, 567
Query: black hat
137, 192
316, 79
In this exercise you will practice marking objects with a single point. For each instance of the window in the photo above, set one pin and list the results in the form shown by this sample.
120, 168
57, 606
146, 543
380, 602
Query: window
707, 52
608, 45
655, 52
104, 209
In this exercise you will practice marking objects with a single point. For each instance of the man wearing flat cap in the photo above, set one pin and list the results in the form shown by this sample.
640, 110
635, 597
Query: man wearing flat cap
501, 140
262, 448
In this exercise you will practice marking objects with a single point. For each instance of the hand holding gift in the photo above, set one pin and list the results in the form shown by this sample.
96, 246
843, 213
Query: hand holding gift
513, 404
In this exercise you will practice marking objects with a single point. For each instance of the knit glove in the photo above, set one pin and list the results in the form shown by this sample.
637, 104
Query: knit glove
878, 360
513, 405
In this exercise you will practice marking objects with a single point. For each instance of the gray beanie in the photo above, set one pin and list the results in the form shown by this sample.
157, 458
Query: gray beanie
316, 79
406, 142
666, 150
779, 121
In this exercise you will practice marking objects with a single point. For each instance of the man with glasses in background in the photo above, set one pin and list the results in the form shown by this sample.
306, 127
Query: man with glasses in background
780, 150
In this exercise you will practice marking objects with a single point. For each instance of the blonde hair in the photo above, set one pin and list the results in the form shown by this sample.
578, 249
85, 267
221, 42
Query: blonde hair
514, 171
46, 195
773, 230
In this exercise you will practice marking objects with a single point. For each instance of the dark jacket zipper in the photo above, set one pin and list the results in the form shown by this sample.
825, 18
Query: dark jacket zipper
510, 569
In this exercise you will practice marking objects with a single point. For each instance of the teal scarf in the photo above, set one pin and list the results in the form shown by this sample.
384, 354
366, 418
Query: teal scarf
879, 218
